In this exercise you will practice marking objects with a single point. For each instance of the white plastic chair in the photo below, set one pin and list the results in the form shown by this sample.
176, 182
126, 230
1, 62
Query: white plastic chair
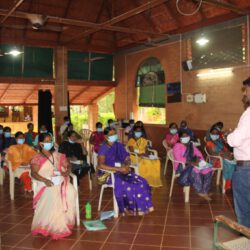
14, 174
2, 175
164, 143
85, 134
74, 180
186, 189
112, 185
150, 144
219, 170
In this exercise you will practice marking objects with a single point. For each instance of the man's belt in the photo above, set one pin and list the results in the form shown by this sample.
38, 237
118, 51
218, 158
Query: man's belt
243, 163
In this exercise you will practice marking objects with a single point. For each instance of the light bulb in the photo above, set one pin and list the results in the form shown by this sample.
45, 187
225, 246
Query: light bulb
202, 41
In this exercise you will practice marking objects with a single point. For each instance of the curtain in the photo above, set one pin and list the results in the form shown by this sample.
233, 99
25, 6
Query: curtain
44, 109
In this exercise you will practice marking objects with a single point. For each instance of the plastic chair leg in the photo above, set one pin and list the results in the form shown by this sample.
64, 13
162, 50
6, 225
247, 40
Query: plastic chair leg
218, 177
90, 181
12, 187
116, 209
172, 185
77, 199
186, 193
166, 165
100, 198
223, 185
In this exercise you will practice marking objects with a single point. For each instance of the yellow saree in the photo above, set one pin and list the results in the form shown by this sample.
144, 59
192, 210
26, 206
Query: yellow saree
149, 169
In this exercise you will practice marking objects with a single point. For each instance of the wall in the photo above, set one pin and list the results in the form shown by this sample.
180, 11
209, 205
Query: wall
223, 94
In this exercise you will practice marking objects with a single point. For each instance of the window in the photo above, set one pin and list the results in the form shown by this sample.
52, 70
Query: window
220, 48
151, 91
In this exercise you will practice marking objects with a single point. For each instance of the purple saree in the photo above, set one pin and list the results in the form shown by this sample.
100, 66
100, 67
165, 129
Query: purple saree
132, 192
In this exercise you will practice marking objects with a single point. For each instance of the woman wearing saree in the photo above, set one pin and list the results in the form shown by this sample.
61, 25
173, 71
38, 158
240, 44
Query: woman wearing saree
217, 147
150, 169
197, 172
132, 192
54, 199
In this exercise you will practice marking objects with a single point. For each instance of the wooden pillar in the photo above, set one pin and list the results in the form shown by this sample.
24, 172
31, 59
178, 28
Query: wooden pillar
35, 118
93, 115
61, 89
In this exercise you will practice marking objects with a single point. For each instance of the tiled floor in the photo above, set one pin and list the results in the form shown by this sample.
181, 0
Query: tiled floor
173, 225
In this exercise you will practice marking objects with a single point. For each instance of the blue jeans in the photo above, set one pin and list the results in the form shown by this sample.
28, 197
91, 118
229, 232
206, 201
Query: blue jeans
241, 193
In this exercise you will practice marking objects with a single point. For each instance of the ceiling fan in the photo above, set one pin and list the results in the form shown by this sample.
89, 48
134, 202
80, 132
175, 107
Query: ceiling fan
37, 22
152, 42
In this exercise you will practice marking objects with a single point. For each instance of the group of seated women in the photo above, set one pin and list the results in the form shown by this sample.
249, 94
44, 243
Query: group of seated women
197, 172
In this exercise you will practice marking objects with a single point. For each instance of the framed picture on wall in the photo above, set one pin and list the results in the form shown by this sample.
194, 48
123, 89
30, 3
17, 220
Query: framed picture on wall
173, 92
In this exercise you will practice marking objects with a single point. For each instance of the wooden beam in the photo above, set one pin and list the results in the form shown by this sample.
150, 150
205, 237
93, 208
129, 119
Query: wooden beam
36, 88
94, 26
108, 24
105, 92
11, 10
174, 14
79, 94
4, 92
99, 14
44, 81
227, 6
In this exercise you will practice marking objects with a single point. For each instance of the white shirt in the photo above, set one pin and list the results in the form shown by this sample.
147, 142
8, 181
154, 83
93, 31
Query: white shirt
240, 138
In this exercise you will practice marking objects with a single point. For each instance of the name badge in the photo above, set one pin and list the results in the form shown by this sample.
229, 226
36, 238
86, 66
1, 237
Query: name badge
118, 164
137, 151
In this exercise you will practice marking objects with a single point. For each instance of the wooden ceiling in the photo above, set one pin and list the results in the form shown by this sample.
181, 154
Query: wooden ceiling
109, 25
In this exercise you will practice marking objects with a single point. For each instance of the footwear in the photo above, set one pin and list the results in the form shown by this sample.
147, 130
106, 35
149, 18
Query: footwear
228, 184
205, 196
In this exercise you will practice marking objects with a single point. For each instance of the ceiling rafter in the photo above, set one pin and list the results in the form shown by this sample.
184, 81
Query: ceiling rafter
5, 92
173, 15
94, 26
98, 18
227, 6
64, 15
11, 10
119, 18
80, 93
100, 95
36, 88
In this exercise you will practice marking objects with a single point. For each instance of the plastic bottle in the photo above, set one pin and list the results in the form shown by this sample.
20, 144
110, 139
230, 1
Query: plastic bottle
88, 211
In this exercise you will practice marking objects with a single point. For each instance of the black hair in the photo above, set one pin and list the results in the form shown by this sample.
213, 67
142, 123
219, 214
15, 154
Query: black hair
214, 127
43, 125
71, 133
220, 124
136, 127
183, 121
247, 82
173, 123
181, 132
18, 133
107, 130
30, 124
110, 121
6, 128
70, 124
98, 124
41, 138
66, 118
131, 120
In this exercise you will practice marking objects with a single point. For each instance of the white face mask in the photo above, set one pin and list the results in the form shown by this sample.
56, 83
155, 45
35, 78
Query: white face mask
202, 163
185, 140
173, 131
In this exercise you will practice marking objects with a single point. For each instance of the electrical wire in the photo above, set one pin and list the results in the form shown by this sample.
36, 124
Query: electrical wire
188, 14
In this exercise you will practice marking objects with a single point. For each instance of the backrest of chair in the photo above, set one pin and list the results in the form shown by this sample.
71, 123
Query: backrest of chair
170, 155
211, 156
150, 144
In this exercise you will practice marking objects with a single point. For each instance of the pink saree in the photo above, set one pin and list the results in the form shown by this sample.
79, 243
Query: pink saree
54, 206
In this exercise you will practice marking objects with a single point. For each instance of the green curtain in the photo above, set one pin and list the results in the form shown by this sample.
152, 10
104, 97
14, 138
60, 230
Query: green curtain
152, 96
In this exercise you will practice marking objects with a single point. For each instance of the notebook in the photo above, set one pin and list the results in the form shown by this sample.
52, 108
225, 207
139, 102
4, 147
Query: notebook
94, 225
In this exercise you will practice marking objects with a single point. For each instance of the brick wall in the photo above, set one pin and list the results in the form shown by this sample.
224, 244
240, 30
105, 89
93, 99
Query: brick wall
223, 94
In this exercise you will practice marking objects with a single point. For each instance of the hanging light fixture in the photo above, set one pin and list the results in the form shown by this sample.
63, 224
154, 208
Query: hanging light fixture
14, 52
202, 41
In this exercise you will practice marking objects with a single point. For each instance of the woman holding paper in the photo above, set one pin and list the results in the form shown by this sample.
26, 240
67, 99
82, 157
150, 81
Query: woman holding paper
54, 199
149, 167
132, 192
197, 173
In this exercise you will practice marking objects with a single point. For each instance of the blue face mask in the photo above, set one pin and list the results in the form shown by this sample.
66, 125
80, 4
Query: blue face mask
99, 129
72, 142
214, 137
48, 145
1, 131
20, 141
138, 134
113, 138
7, 134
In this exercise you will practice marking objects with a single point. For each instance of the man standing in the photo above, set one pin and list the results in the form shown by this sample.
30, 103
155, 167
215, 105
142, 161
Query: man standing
240, 140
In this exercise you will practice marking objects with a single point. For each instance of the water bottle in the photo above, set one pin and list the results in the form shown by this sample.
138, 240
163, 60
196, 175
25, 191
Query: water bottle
88, 211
